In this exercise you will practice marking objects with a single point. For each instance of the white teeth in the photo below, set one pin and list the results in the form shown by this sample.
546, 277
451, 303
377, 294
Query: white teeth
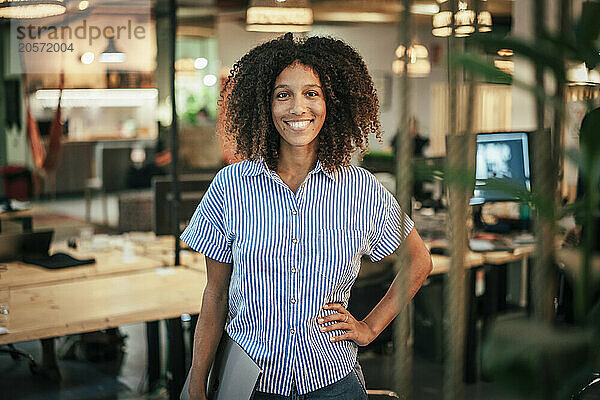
298, 125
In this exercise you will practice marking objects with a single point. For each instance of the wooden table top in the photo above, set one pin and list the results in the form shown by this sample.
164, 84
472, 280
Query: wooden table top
15, 274
116, 290
30, 212
487, 257
101, 302
505, 257
441, 264
152, 253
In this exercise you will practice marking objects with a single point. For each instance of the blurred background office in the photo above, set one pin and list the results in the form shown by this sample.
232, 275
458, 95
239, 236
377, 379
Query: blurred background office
109, 137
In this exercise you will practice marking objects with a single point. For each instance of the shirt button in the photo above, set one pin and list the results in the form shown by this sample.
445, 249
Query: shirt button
292, 331
294, 212
293, 301
294, 240
293, 270
303, 185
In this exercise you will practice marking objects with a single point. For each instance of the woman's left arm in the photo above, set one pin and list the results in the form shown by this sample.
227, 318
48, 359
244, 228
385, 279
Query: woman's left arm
365, 331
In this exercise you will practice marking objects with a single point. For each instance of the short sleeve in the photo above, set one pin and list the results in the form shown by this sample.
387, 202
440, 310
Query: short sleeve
392, 226
206, 231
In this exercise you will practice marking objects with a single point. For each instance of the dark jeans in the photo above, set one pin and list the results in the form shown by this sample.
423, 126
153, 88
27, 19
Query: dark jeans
350, 387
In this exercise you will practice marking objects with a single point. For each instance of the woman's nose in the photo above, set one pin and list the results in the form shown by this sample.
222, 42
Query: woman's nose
298, 106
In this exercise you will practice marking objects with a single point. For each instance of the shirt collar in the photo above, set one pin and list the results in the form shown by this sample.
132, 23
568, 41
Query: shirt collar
254, 167
257, 167
319, 167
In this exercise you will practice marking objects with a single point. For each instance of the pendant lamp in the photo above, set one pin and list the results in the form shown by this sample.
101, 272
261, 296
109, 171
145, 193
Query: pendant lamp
31, 8
111, 54
279, 16
463, 19
418, 61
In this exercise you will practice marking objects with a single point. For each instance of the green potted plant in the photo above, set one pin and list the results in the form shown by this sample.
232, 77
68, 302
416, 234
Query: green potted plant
536, 356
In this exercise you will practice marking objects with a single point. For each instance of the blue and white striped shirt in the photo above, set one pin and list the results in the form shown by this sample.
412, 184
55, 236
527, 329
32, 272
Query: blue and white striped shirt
291, 254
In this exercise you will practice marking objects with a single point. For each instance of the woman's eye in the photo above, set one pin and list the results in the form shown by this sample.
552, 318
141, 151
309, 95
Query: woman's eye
312, 93
281, 95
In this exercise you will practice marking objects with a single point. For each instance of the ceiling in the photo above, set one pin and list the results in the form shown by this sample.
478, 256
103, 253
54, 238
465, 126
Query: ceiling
340, 11
500, 7
192, 12
328, 11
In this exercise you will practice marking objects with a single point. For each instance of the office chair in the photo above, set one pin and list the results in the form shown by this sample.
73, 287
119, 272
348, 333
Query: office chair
17, 355
591, 391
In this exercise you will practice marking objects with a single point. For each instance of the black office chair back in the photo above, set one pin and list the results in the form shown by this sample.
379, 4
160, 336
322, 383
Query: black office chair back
591, 391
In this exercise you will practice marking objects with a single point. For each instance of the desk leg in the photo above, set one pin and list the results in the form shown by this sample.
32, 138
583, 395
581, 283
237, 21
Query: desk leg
27, 224
176, 358
153, 349
193, 323
502, 286
472, 315
49, 364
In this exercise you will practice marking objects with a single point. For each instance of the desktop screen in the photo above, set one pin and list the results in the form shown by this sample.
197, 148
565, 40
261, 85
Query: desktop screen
503, 155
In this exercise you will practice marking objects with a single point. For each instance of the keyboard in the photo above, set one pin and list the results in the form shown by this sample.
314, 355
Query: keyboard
56, 261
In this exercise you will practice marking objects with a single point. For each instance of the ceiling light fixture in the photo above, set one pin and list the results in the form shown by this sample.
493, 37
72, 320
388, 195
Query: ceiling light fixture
209, 80
111, 54
97, 97
418, 61
580, 74
87, 58
31, 8
464, 19
507, 66
505, 52
280, 16
425, 9
442, 21
200, 63
484, 20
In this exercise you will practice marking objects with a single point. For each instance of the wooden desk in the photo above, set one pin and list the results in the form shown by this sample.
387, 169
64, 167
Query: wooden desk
26, 217
441, 264
497, 277
101, 302
473, 263
505, 257
152, 254
162, 249
112, 292
108, 262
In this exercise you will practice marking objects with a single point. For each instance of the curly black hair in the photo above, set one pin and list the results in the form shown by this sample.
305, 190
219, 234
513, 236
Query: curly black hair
350, 98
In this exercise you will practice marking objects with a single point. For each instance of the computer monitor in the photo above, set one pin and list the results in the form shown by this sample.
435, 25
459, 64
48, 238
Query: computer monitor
504, 158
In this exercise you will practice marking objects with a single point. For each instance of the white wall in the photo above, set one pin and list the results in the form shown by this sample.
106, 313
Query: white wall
523, 103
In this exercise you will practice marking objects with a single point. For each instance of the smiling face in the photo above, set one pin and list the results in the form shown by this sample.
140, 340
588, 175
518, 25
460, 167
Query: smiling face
298, 107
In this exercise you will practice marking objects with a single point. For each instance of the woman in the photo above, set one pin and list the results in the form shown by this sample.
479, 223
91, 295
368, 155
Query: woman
283, 232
